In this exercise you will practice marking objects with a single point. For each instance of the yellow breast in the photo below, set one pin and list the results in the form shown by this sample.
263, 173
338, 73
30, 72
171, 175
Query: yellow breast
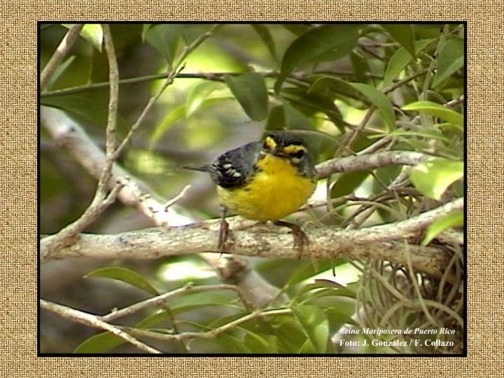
276, 191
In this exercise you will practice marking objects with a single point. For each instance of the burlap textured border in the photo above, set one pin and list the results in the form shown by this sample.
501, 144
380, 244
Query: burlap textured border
18, 186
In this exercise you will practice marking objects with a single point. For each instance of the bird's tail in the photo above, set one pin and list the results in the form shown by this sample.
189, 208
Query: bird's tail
201, 167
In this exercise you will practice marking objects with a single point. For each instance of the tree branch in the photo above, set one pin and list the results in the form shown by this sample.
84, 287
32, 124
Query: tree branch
94, 322
60, 53
161, 299
372, 161
384, 242
211, 333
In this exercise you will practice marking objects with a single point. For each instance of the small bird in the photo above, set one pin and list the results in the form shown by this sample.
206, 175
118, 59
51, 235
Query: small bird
264, 181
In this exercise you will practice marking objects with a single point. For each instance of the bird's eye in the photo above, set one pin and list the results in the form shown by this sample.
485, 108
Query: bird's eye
298, 154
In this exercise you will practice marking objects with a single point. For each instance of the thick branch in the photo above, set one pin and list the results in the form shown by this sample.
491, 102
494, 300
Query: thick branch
364, 162
385, 242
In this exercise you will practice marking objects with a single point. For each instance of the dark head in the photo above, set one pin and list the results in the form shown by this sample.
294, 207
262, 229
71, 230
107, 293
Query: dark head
289, 146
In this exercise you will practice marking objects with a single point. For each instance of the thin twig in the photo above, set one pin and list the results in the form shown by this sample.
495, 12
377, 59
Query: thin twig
161, 299
400, 83
60, 53
208, 334
425, 119
110, 144
94, 322
172, 201
110, 139
432, 65
210, 76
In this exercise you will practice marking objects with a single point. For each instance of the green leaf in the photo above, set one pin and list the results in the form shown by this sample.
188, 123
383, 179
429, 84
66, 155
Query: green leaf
402, 33
424, 132
385, 176
321, 288
320, 44
433, 177
225, 342
198, 301
379, 100
360, 67
309, 269
101, 343
276, 119
165, 38
153, 320
59, 71
106, 341
325, 82
175, 115
415, 144
450, 220
222, 343
289, 333
86, 107
314, 323
312, 101
296, 120
438, 110
124, 275
307, 348
449, 60
228, 344
93, 33
199, 94
400, 60
192, 32
296, 29
251, 92
265, 34
145, 29
337, 316
347, 183
259, 343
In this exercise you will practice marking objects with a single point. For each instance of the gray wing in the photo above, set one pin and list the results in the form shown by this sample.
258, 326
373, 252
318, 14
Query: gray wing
231, 169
